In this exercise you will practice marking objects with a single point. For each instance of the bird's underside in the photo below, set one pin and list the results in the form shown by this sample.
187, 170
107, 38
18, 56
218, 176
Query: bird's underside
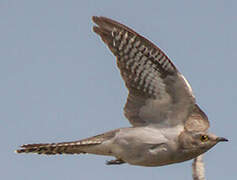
160, 106
135, 145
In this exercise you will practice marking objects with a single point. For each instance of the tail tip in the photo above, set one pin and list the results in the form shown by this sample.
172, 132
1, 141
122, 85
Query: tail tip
19, 151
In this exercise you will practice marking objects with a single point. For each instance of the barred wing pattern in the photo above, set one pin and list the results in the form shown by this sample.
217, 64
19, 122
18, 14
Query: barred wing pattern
158, 93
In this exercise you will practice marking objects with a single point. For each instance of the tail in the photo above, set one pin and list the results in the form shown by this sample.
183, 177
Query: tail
75, 147
89, 145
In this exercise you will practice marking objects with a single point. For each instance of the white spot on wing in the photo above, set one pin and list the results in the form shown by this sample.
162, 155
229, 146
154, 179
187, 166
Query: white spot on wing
132, 39
142, 48
137, 43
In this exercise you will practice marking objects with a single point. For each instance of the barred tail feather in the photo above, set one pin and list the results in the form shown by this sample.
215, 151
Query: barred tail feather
88, 145
50, 149
56, 148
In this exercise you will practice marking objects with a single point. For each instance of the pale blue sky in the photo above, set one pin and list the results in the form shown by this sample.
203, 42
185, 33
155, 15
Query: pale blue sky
59, 82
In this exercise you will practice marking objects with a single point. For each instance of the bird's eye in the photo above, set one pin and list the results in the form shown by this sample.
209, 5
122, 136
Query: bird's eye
204, 138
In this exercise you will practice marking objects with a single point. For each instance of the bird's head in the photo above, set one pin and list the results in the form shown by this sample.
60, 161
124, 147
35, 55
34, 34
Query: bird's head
197, 143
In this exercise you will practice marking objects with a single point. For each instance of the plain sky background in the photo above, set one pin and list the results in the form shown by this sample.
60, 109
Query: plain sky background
59, 82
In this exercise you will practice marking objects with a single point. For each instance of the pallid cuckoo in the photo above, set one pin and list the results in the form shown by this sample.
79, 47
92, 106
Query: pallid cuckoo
167, 124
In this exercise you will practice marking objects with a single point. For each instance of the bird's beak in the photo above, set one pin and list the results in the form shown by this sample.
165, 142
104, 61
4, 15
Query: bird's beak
222, 139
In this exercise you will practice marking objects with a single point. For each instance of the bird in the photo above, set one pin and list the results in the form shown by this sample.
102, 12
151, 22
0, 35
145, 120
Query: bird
167, 124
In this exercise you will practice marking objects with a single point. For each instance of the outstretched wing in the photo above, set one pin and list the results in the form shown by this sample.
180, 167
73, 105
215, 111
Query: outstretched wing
158, 93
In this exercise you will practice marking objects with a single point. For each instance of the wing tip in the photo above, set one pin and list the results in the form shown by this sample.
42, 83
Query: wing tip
95, 19
99, 20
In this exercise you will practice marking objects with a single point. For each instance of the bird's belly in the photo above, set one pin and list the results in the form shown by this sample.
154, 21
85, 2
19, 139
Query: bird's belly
148, 155
146, 146
158, 157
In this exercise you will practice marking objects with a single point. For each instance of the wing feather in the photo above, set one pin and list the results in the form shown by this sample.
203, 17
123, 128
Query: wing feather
158, 93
